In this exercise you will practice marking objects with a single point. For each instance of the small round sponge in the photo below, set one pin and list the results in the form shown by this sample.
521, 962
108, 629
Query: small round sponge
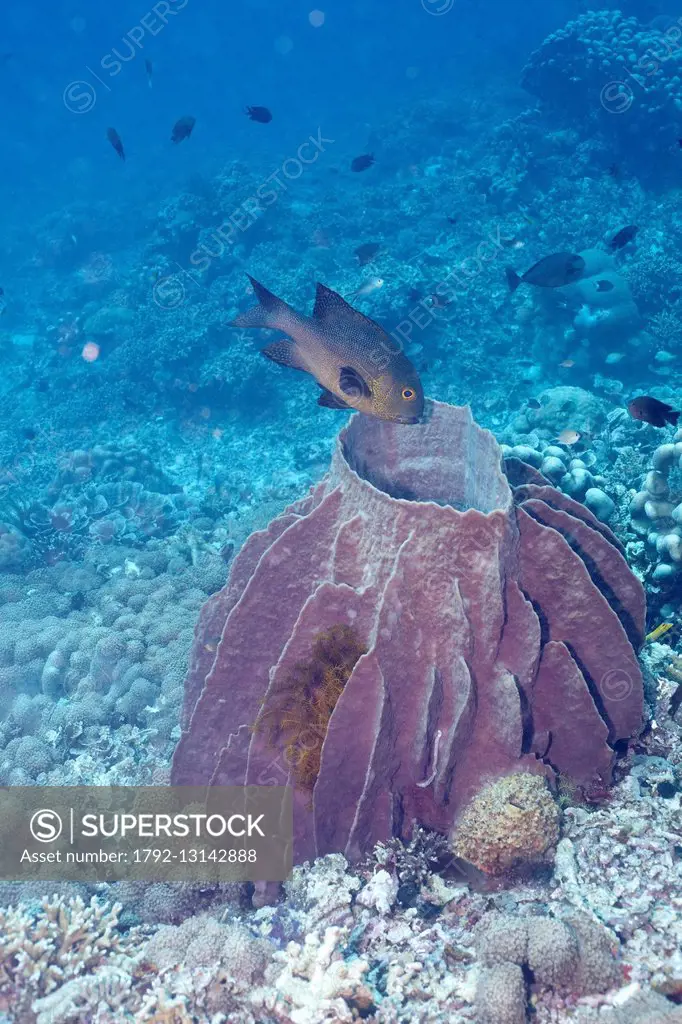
511, 822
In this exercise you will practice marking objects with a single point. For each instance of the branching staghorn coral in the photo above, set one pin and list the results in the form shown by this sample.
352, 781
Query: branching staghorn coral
41, 950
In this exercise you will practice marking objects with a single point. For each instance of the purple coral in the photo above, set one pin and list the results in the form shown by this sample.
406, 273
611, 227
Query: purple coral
500, 624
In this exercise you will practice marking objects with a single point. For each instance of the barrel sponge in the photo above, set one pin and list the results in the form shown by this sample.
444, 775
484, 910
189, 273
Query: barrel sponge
509, 823
501, 995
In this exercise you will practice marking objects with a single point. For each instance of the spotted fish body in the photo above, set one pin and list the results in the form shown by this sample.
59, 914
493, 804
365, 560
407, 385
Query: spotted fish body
350, 356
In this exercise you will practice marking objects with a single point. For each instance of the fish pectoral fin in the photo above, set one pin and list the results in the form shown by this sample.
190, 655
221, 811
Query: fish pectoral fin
331, 401
285, 353
352, 384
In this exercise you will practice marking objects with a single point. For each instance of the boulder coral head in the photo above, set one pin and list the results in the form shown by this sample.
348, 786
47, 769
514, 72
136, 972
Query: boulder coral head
489, 629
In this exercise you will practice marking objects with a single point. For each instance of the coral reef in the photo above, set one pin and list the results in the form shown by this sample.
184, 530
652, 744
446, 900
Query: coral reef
656, 510
563, 408
602, 49
42, 949
92, 657
104, 495
398, 524
143, 442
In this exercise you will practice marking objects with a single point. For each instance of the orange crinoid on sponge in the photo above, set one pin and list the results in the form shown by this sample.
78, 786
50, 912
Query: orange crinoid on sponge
299, 714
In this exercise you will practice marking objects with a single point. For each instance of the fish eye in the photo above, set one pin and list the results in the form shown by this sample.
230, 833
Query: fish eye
408, 394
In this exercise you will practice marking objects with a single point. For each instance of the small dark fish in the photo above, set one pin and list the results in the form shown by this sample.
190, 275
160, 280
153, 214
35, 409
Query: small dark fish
604, 285
533, 403
361, 163
182, 129
614, 171
551, 272
115, 140
29, 433
260, 114
149, 68
366, 252
623, 236
451, 220
650, 410
349, 355
679, 143
414, 294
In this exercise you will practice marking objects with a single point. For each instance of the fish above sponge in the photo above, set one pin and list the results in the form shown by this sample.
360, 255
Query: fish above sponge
351, 357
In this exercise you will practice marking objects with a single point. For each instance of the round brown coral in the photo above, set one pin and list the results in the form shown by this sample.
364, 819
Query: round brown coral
511, 822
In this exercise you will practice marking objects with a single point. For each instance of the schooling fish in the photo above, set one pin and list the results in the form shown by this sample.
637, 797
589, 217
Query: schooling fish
182, 129
551, 272
650, 410
261, 114
361, 163
115, 140
623, 236
350, 356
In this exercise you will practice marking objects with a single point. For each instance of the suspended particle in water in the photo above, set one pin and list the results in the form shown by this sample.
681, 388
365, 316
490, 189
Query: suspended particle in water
316, 18
90, 351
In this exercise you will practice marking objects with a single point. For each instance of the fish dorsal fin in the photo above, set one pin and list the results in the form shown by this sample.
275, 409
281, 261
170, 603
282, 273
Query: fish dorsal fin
285, 353
330, 306
331, 401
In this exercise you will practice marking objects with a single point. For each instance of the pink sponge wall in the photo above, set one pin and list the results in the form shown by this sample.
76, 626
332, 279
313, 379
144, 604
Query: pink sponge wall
501, 627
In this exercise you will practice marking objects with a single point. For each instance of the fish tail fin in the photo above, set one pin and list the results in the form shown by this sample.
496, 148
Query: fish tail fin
672, 416
513, 279
270, 312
